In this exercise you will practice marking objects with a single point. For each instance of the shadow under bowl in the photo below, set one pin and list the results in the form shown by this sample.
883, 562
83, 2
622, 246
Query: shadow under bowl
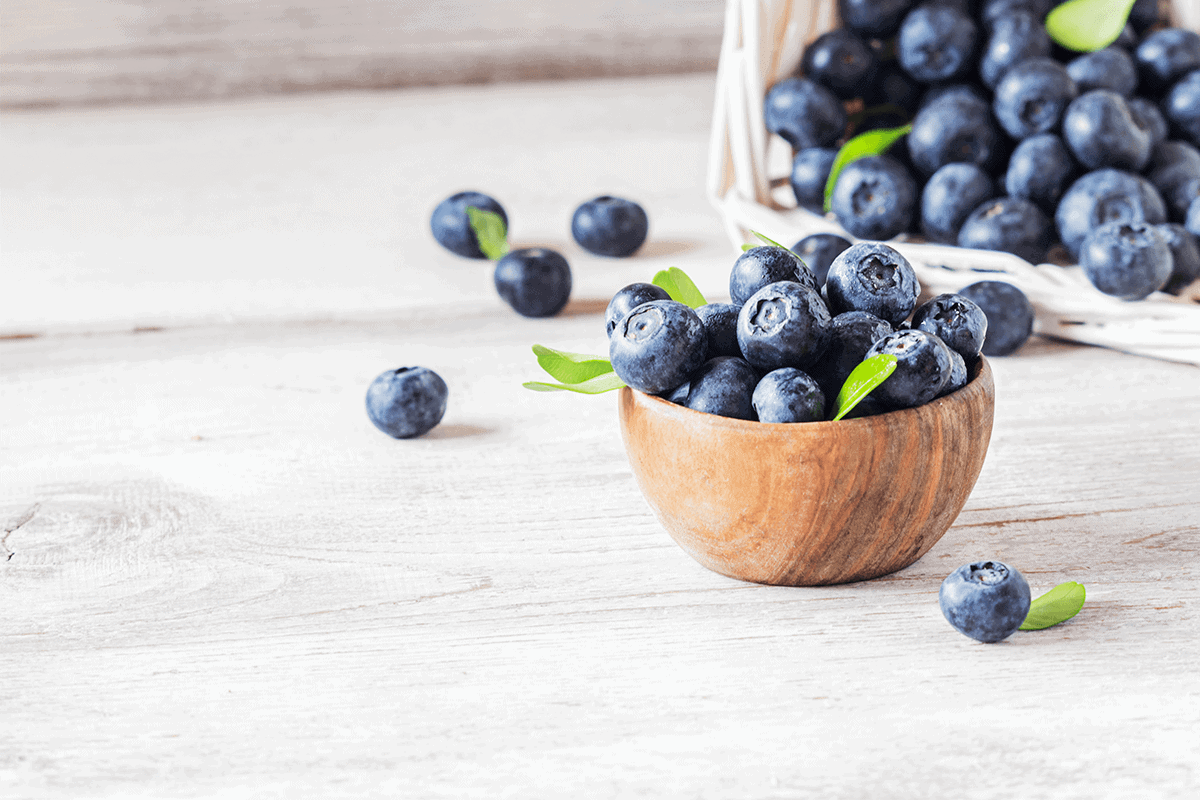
815, 503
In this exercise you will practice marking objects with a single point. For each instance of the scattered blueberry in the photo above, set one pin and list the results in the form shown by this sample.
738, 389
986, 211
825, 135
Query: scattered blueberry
875, 198
723, 386
1040, 170
949, 196
923, 367
810, 172
957, 321
788, 395
629, 298
1009, 315
937, 42
1185, 257
407, 402
657, 346
764, 265
818, 250
610, 226
535, 281
783, 324
720, 325
1127, 260
874, 278
1032, 96
804, 113
1102, 133
1011, 225
1106, 195
987, 600
452, 228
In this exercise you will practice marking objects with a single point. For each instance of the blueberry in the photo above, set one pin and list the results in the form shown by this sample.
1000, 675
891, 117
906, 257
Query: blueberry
1174, 165
987, 600
923, 367
723, 386
679, 394
720, 325
535, 281
950, 196
629, 298
957, 321
1011, 225
810, 172
1014, 38
783, 324
1102, 133
1147, 117
610, 226
1111, 68
1009, 315
892, 86
1165, 56
818, 250
937, 42
873, 18
995, 10
1126, 260
954, 127
841, 62
1185, 257
657, 346
452, 228
1191, 222
874, 278
804, 113
850, 337
1182, 107
1106, 195
1032, 96
958, 374
1040, 170
788, 395
875, 198
760, 266
407, 402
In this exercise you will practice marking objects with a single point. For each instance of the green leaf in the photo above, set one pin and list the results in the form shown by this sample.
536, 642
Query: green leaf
771, 243
746, 247
871, 143
862, 380
679, 286
597, 385
1055, 606
1087, 25
490, 230
570, 367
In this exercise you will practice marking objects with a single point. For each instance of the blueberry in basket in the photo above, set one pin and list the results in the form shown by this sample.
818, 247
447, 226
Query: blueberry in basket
1040, 170
840, 61
875, 198
610, 226
937, 42
1101, 132
1011, 225
1032, 97
949, 197
1127, 260
804, 113
810, 172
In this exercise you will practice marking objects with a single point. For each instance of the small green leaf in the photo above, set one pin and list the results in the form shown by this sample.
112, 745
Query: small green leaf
1087, 25
862, 380
771, 243
679, 286
1055, 606
597, 385
570, 367
871, 143
746, 247
490, 230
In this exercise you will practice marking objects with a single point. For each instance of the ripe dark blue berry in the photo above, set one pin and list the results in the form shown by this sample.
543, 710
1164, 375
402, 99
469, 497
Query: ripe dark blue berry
873, 18
783, 324
949, 197
1032, 96
1009, 315
874, 278
1111, 68
1185, 257
1014, 38
1106, 195
955, 127
1040, 170
720, 324
923, 367
452, 227
629, 298
804, 113
610, 226
657, 346
1149, 118
850, 337
937, 43
1182, 107
810, 172
407, 402
957, 321
789, 395
1174, 170
535, 281
987, 600
818, 250
723, 386
760, 266
841, 62
1102, 133
1127, 260
875, 198
1165, 56
1011, 225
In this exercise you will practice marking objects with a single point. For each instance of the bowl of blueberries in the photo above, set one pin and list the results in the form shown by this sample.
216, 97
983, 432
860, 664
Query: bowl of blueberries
727, 415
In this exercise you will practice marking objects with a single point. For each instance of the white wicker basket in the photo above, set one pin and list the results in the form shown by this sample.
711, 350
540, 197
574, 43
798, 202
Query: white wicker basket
747, 182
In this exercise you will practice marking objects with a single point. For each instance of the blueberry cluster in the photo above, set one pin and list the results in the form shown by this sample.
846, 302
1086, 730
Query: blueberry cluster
1016, 143
784, 346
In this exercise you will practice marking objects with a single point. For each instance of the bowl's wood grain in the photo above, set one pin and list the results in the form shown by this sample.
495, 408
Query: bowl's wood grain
812, 503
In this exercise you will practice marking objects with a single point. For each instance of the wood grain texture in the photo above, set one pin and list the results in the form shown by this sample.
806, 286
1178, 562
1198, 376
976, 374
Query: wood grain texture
109, 51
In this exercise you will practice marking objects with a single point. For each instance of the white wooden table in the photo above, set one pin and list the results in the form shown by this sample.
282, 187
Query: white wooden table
219, 580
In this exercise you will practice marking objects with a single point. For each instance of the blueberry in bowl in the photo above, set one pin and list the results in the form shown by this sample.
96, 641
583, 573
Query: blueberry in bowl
875, 278
783, 324
724, 386
764, 265
788, 395
628, 298
610, 226
923, 367
657, 346
451, 224
957, 321
818, 250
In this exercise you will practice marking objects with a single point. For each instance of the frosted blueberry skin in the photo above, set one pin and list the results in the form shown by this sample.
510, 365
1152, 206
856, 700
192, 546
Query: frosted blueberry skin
407, 402
657, 346
1106, 195
1126, 260
937, 43
810, 172
628, 298
954, 127
1191, 222
789, 395
723, 386
1174, 171
874, 278
1182, 107
1147, 117
1101, 132
995, 10
784, 324
949, 197
1014, 38
873, 18
1032, 96
720, 324
957, 321
841, 62
1185, 257
1164, 57
452, 227
760, 266
1040, 170
1111, 68
818, 250
875, 198
958, 374
535, 281
987, 600
1010, 225
610, 226
923, 368
1009, 315
851, 336
804, 113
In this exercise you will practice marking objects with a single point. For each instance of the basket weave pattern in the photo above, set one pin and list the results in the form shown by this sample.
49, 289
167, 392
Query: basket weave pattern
747, 182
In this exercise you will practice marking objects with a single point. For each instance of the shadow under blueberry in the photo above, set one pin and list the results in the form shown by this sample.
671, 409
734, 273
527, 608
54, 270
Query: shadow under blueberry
583, 307
457, 431
662, 248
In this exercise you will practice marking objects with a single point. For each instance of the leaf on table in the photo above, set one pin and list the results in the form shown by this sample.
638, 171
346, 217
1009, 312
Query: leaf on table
679, 287
598, 385
490, 230
871, 143
862, 380
1088, 25
570, 367
1055, 606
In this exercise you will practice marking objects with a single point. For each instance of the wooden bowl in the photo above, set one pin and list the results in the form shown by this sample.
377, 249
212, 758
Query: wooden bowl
814, 503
